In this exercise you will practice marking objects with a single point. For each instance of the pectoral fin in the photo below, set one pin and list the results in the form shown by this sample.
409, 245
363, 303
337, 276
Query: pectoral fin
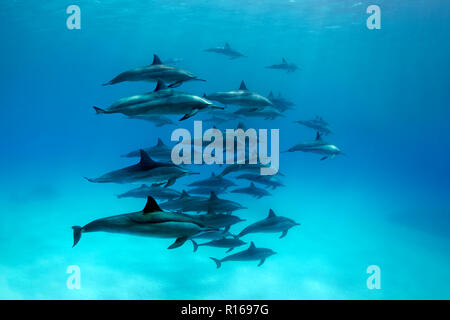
284, 234
190, 114
261, 262
170, 182
324, 158
176, 84
229, 250
178, 243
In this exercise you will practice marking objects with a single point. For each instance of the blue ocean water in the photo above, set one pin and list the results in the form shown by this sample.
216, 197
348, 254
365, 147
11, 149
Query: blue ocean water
385, 93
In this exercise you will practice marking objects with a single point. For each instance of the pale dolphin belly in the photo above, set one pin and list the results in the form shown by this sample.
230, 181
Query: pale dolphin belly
157, 230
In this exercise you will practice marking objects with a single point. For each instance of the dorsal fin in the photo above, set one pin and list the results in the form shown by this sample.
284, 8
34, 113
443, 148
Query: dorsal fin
227, 45
160, 85
151, 206
184, 194
213, 196
270, 95
243, 86
213, 174
284, 60
143, 185
146, 160
318, 136
252, 246
160, 143
241, 125
271, 214
156, 60
252, 185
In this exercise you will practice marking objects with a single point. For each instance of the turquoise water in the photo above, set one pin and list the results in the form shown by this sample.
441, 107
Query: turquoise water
384, 92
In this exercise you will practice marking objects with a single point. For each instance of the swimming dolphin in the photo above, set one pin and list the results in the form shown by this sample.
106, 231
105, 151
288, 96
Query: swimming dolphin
241, 97
214, 182
161, 101
279, 102
284, 65
155, 191
159, 121
252, 253
154, 72
214, 235
173, 61
180, 204
253, 191
317, 124
150, 222
213, 205
319, 146
218, 220
207, 190
268, 113
146, 171
227, 51
271, 224
268, 181
229, 243
159, 151
248, 168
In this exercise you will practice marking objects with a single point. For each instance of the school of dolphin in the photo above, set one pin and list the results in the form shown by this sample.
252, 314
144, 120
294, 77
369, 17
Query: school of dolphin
198, 213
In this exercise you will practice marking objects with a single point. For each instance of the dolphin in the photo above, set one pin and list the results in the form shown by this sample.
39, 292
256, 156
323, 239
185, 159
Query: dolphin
172, 61
268, 181
319, 146
253, 191
150, 222
319, 120
218, 220
213, 205
216, 120
284, 65
155, 191
159, 121
214, 235
279, 102
271, 224
248, 168
229, 243
241, 97
227, 51
161, 101
252, 253
268, 113
181, 203
214, 182
159, 151
154, 72
206, 190
146, 170
317, 126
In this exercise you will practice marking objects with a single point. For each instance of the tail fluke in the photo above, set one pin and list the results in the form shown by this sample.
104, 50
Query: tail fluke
195, 245
217, 261
99, 110
76, 235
